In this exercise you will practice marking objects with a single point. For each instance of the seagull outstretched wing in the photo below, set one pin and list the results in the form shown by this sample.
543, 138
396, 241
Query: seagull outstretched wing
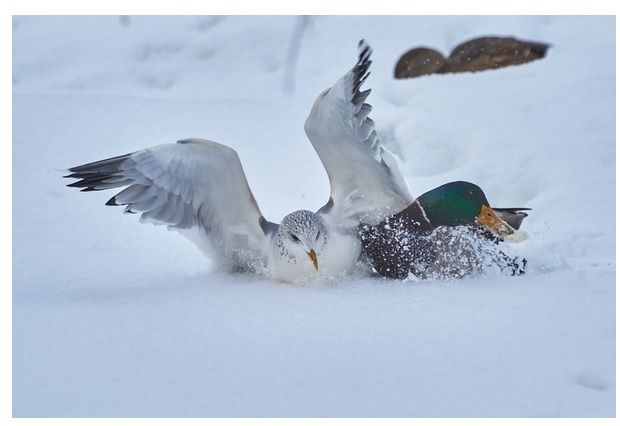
366, 184
195, 186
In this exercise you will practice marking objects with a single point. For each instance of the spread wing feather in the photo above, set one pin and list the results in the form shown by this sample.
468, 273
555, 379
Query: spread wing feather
195, 186
366, 184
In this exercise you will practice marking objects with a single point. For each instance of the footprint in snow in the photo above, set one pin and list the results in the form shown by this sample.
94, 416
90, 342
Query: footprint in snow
205, 23
161, 82
590, 381
159, 51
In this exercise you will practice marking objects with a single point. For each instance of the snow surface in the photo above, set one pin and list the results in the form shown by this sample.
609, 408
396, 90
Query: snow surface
114, 318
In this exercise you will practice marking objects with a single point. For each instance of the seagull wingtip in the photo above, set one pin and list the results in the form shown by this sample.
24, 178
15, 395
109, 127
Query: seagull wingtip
365, 51
112, 202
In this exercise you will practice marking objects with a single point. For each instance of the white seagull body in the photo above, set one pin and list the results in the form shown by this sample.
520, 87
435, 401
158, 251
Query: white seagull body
198, 187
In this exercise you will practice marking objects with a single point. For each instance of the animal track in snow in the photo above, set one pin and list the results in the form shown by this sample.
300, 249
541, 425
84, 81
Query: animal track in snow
590, 381
159, 51
157, 81
205, 23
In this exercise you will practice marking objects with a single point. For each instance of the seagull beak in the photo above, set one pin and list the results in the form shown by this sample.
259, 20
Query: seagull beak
315, 261
493, 223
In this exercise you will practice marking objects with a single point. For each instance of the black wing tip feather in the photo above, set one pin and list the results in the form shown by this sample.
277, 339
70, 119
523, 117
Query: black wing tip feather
360, 72
91, 181
112, 202
99, 165
363, 60
92, 176
364, 49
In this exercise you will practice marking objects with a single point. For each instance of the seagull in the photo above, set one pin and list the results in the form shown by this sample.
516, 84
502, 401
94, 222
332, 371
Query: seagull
198, 187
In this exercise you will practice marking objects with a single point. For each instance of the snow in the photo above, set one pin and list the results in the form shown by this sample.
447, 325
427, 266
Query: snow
113, 318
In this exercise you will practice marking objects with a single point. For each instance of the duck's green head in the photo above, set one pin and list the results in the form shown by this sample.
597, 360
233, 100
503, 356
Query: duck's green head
461, 203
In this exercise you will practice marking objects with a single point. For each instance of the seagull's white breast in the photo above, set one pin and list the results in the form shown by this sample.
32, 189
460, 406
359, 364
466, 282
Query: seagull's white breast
339, 255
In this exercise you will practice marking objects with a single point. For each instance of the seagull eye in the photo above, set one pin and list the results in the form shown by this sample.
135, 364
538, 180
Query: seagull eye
294, 238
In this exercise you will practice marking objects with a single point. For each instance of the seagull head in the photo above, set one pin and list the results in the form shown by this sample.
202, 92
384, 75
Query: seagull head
301, 237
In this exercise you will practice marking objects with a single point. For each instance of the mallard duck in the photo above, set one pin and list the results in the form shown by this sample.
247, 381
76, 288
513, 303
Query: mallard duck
448, 231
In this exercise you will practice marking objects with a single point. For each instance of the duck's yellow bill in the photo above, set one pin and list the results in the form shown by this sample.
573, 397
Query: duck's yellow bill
315, 261
493, 223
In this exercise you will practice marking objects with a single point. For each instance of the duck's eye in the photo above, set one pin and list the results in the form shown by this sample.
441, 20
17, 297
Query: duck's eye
294, 238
